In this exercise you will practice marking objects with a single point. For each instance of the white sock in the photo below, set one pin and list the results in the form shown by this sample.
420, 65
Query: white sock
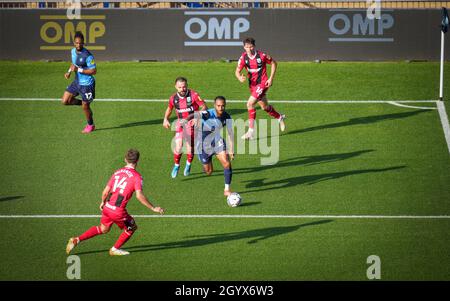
177, 165
113, 248
227, 186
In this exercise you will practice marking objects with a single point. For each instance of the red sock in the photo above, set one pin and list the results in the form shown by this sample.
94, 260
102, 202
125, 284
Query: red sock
272, 112
123, 238
177, 158
93, 231
190, 157
251, 118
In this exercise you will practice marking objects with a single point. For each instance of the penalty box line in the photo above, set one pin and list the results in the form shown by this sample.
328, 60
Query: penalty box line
230, 101
439, 104
68, 216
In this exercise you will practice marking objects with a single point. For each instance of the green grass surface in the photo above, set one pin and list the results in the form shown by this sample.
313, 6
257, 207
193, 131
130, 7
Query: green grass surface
335, 159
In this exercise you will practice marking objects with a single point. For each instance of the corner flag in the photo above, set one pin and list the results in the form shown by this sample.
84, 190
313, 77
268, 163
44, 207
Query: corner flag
444, 29
444, 23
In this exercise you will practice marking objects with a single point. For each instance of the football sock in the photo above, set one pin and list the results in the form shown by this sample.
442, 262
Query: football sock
272, 112
90, 121
93, 231
251, 118
227, 187
177, 158
190, 157
227, 173
123, 238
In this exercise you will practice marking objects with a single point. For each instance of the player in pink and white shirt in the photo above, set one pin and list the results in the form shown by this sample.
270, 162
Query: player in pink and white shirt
255, 62
119, 190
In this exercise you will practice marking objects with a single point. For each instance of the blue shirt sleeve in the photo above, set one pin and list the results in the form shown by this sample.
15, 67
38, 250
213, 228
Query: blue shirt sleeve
74, 56
90, 62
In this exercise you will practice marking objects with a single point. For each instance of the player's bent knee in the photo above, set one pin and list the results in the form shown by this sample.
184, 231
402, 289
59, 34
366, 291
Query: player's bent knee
207, 170
104, 230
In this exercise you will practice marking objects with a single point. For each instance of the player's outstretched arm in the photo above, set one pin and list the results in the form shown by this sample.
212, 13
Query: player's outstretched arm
230, 139
72, 68
203, 106
273, 70
166, 122
144, 201
240, 77
105, 195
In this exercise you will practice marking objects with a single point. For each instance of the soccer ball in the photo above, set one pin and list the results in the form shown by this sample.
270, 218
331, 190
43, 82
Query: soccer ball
234, 199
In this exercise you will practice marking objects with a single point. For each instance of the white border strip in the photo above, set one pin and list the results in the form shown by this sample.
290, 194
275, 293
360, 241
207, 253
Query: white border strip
238, 216
444, 121
211, 43
361, 39
230, 101
217, 13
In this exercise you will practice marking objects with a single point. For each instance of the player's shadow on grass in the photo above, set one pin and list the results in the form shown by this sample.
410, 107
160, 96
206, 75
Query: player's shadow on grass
357, 121
11, 198
245, 204
292, 162
253, 236
308, 180
133, 124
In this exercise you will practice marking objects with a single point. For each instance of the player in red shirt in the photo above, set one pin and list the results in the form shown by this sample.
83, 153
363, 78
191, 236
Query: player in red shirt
255, 61
119, 190
185, 102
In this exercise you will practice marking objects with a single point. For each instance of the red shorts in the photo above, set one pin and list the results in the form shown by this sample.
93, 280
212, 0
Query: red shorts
186, 131
120, 217
258, 91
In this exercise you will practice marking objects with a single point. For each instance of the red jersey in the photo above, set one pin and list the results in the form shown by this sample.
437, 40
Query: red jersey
123, 183
187, 105
256, 67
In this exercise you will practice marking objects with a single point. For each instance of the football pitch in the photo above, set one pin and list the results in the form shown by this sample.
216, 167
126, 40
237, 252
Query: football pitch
363, 170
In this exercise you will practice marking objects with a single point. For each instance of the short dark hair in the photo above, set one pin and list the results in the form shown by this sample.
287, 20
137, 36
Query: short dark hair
80, 35
249, 40
181, 79
132, 156
220, 98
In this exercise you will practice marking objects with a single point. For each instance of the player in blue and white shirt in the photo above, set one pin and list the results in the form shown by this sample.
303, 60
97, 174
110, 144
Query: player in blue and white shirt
83, 65
212, 143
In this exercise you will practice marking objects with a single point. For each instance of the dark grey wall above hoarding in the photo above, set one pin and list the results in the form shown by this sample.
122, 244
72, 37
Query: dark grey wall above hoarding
168, 34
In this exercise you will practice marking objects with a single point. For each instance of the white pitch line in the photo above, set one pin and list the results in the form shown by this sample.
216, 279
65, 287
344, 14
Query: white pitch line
394, 103
237, 216
230, 101
444, 122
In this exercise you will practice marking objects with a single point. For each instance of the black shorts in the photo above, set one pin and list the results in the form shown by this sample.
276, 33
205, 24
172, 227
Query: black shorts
87, 92
207, 151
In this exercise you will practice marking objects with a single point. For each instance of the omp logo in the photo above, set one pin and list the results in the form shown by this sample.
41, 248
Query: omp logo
57, 31
359, 27
215, 28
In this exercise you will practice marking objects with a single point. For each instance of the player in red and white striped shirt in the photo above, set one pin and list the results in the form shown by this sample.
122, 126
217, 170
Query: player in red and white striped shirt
185, 102
255, 62
119, 190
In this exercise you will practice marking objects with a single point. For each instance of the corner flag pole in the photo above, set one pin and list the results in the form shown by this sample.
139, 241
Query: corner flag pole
444, 28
